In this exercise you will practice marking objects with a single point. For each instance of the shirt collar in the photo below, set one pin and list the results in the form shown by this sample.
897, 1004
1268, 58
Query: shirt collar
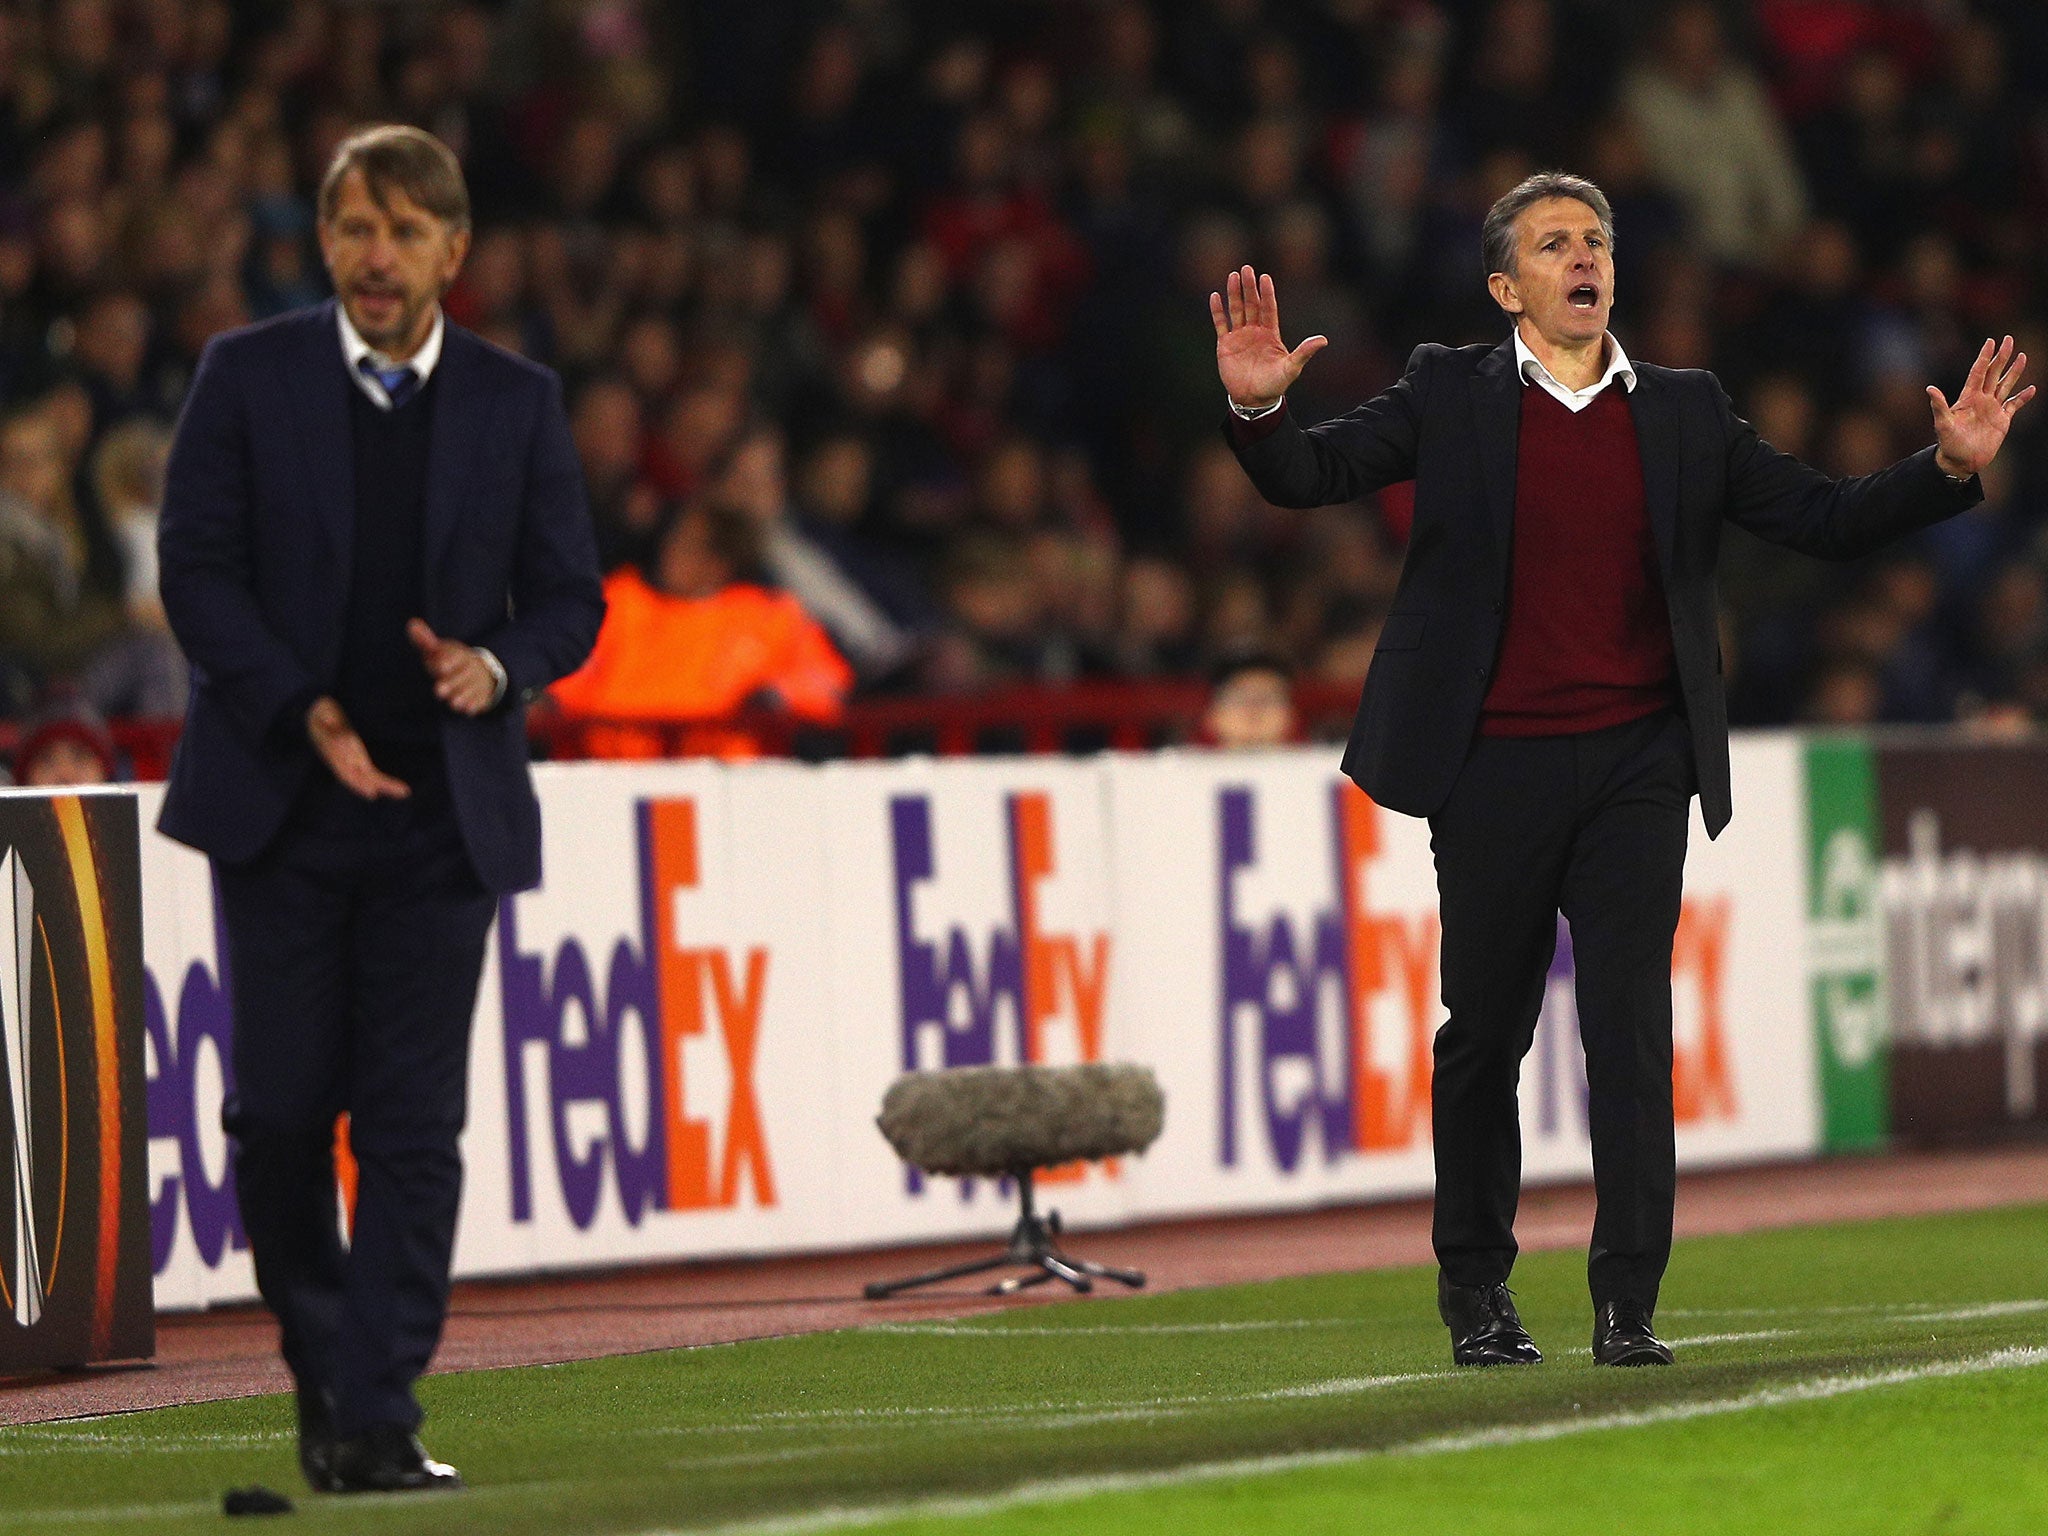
1531, 368
355, 349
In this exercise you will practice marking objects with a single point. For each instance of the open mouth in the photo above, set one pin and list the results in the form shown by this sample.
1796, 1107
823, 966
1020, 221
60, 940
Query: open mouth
1585, 297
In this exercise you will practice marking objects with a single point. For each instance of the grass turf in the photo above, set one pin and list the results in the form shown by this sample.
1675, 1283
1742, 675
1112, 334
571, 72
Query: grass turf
1332, 1395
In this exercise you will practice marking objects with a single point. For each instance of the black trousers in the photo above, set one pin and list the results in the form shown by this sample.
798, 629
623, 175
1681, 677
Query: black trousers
355, 943
1593, 826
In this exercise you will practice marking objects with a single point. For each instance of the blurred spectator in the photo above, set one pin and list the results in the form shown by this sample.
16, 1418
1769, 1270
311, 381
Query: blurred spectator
128, 479
606, 422
55, 621
694, 637
754, 483
1251, 702
1156, 629
1715, 139
66, 746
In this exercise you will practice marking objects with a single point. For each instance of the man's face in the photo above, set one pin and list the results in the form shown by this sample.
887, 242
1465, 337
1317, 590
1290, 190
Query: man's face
1254, 708
688, 563
389, 264
1563, 282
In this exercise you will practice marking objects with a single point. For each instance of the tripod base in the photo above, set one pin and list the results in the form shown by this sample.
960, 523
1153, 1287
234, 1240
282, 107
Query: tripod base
1034, 1246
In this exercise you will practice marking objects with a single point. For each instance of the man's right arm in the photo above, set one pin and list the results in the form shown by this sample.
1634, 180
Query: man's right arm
1338, 460
204, 554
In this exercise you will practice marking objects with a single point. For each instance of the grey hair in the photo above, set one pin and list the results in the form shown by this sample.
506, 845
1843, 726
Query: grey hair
1497, 234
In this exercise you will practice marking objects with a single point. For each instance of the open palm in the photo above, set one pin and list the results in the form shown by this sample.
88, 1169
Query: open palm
1968, 434
1251, 359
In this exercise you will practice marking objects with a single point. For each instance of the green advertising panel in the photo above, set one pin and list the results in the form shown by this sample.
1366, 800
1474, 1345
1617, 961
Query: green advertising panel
1846, 952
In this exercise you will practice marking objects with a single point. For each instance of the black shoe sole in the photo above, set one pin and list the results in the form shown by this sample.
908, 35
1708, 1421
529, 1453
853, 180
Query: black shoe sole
1634, 1357
1481, 1358
431, 1485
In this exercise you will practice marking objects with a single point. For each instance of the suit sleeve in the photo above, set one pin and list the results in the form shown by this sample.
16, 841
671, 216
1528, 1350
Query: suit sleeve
205, 560
557, 594
1340, 460
1783, 501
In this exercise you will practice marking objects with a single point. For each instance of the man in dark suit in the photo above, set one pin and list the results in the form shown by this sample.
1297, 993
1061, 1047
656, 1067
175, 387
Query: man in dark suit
375, 548
1547, 691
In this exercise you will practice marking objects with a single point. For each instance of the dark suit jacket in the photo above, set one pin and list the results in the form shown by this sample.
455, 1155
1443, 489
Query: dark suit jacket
255, 546
1450, 425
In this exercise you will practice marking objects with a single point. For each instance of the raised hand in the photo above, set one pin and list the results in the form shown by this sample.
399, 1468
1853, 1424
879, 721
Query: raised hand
1967, 435
1252, 360
345, 755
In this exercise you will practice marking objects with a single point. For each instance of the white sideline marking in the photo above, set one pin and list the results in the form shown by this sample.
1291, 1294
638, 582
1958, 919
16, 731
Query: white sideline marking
1254, 1325
1914, 1311
115, 1512
1069, 1412
1062, 1490
1815, 1390
34, 1440
1968, 1314
1734, 1338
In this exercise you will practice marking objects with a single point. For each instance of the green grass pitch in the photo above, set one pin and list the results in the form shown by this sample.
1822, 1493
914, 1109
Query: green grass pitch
1883, 1377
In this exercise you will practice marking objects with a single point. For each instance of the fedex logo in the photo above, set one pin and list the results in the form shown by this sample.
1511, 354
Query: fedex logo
999, 995
618, 1102
1328, 1021
1333, 1014
188, 1065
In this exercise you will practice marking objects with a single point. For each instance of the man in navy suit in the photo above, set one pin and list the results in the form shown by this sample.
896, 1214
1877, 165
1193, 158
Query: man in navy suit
375, 549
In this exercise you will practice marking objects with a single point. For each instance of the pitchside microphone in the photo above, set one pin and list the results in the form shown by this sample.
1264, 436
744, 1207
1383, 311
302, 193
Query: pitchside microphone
1000, 1122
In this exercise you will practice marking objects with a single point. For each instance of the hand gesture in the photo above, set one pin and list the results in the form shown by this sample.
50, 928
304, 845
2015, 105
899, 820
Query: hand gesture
1252, 360
1967, 434
345, 755
461, 679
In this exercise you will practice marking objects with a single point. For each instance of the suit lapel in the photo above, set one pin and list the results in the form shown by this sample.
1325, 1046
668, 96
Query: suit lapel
1655, 413
454, 443
317, 385
1497, 420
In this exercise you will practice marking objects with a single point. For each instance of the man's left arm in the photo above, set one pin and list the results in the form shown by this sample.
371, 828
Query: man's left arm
557, 592
1786, 502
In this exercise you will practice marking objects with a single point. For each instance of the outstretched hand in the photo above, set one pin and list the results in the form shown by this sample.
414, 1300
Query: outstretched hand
1967, 435
1252, 360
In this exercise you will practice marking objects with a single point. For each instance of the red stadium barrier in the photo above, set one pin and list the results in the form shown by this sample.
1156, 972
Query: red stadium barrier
1084, 717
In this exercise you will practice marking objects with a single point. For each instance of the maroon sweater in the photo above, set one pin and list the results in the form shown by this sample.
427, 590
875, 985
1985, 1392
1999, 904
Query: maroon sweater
1587, 643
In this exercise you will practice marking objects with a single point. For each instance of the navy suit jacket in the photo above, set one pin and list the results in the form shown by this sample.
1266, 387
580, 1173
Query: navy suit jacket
255, 545
1450, 425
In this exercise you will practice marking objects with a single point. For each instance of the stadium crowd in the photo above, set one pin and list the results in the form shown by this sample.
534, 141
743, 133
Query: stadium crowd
889, 320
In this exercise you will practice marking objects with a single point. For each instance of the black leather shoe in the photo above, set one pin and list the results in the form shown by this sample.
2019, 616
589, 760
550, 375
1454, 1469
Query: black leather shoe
1622, 1335
1485, 1329
316, 1440
387, 1458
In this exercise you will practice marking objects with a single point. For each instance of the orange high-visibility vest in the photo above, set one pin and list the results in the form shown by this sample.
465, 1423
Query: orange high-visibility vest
703, 658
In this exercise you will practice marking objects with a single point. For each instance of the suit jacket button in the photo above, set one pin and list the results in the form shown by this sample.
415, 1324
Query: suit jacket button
1479, 671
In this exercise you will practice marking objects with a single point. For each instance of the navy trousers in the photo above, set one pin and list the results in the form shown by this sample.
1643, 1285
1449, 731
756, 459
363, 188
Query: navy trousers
1593, 826
355, 943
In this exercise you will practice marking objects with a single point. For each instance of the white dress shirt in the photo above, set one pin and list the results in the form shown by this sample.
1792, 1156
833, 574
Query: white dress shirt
354, 349
1530, 366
